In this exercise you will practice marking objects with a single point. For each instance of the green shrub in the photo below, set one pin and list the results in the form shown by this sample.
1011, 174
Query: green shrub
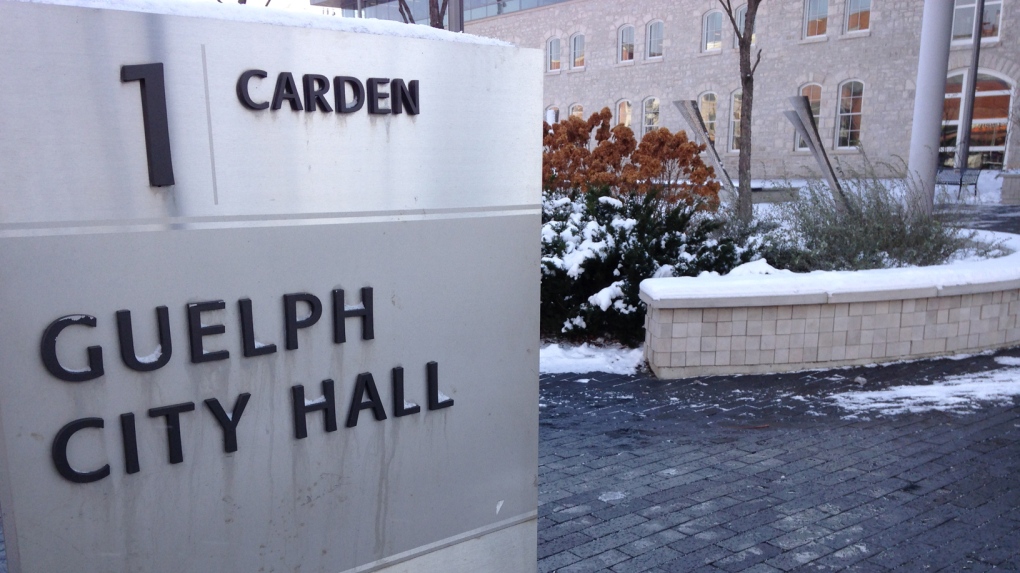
597, 248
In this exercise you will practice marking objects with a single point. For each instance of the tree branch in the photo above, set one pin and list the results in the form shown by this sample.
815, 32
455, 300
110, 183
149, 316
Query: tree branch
442, 10
756, 62
728, 10
405, 12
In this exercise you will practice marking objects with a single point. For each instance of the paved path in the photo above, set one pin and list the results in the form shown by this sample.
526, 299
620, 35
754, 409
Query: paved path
766, 474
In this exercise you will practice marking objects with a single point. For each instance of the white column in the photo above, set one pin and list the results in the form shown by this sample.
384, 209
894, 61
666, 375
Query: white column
932, 67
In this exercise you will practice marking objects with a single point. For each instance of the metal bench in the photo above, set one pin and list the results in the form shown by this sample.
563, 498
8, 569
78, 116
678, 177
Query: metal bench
958, 177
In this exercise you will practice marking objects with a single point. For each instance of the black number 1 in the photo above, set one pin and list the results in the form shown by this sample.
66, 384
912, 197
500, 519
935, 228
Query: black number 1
157, 130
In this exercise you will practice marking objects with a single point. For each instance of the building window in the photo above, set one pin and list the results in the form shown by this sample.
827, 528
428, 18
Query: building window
623, 113
625, 51
851, 98
654, 40
706, 104
577, 51
651, 113
740, 16
552, 115
577, 110
735, 121
816, 18
814, 94
963, 20
552, 62
858, 15
989, 126
711, 39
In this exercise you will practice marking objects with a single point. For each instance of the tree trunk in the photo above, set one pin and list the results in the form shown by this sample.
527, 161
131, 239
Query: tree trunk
745, 211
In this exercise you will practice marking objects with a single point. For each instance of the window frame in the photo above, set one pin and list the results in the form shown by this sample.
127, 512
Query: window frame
649, 37
840, 115
969, 39
579, 111
620, 44
705, 49
808, 4
710, 126
846, 17
556, 110
549, 69
797, 141
736, 98
646, 128
630, 113
1010, 91
739, 16
573, 51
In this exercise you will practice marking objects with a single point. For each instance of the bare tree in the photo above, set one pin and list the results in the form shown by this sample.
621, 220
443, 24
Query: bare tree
436, 12
744, 32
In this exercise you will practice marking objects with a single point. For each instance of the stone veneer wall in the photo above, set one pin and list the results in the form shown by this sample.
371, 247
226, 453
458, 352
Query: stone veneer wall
1010, 189
685, 342
884, 58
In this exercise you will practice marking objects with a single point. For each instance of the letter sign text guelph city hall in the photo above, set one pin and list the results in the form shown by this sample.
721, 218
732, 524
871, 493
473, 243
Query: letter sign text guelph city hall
364, 394
270, 293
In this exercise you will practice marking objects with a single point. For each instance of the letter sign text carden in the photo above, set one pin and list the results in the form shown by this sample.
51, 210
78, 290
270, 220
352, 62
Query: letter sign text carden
403, 96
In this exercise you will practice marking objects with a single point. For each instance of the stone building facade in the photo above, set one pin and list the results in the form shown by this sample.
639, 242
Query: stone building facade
809, 45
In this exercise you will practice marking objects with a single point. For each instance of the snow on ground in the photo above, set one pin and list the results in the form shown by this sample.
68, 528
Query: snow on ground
561, 359
959, 394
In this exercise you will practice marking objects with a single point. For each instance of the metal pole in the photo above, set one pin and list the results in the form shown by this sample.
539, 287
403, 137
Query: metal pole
455, 15
361, 9
963, 134
929, 100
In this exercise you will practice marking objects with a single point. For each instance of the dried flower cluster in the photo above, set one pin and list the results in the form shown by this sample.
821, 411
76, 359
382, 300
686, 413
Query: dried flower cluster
580, 156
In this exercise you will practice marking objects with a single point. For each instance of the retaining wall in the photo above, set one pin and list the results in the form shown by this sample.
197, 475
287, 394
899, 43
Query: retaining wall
784, 322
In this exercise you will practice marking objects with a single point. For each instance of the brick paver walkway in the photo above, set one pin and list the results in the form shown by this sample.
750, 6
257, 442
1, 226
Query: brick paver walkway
766, 474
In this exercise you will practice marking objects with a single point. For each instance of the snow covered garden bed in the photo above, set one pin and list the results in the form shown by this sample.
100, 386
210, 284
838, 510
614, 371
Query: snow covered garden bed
757, 319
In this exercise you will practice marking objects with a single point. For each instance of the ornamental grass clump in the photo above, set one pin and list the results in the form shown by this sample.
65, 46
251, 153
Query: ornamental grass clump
616, 212
881, 227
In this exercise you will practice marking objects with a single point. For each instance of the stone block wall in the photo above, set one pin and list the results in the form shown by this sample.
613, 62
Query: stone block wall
1010, 189
686, 342
884, 58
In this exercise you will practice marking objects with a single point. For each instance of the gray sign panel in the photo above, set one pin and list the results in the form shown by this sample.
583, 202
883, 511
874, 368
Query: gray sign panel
203, 447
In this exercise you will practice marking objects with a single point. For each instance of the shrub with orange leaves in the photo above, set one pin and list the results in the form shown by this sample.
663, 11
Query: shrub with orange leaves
580, 156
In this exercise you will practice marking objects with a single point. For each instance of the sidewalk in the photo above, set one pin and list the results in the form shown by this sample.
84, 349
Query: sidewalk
767, 473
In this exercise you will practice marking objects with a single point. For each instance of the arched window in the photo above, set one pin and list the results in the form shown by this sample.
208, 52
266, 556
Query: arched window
654, 34
816, 18
623, 109
707, 105
711, 37
552, 55
552, 114
577, 110
848, 119
735, 121
740, 16
963, 21
858, 15
577, 51
651, 115
990, 123
814, 94
625, 44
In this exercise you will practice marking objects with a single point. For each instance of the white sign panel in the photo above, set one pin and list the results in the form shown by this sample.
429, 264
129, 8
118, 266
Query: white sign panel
271, 296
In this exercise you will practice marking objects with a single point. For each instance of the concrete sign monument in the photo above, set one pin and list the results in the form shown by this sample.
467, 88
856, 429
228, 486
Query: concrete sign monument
270, 294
